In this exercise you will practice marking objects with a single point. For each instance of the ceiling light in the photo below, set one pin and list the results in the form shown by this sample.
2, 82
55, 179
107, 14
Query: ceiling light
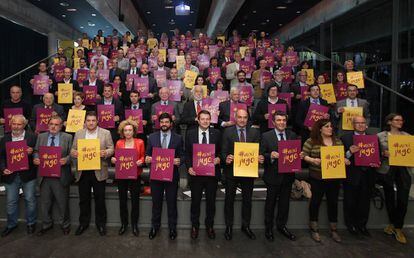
172, 20
243, 24
182, 9
63, 15
254, 11
190, 24
191, 11
267, 20
297, 12
153, 25
91, 24
64, 4
94, 14
263, 23
71, 9
281, 7
288, 1
148, 12
280, 24
169, 7
81, 27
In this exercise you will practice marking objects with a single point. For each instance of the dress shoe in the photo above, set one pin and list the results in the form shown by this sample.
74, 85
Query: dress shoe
66, 231
284, 231
135, 230
399, 236
352, 230
7, 231
152, 233
43, 231
314, 231
211, 233
122, 229
173, 234
269, 234
31, 229
389, 230
101, 230
248, 232
80, 230
364, 231
228, 234
194, 233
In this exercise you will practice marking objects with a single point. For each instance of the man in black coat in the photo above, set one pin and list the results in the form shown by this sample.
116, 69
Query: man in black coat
279, 186
224, 120
25, 179
108, 99
192, 107
203, 134
358, 184
48, 102
238, 133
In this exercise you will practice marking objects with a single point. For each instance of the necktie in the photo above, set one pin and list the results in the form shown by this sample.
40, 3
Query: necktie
164, 141
315, 101
204, 140
281, 137
164, 103
135, 107
52, 143
198, 107
242, 137
352, 103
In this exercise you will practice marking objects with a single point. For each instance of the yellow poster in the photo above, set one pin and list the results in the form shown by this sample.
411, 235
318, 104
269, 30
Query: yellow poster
243, 51
333, 162
75, 52
76, 64
163, 52
356, 78
89, 157
328, 93
85, 43
189, 79
246, 159
65, 93
401, 148
75, 121
180, 62
222, 38
205, 91
152, 42
310, 76
347, 116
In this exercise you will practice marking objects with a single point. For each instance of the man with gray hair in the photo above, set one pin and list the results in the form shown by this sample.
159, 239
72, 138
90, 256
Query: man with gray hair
49, 103
193, 107
224, 120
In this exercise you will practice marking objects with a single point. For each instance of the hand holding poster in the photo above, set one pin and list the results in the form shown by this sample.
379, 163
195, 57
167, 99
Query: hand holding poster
17, 157
50, 161
126, 164
289, 156
246, 159
401, 149
203, 159
162, 165
328, 93
333, 162
356, 78
89, 154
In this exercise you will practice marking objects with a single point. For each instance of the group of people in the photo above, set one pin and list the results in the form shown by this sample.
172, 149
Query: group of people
241, 118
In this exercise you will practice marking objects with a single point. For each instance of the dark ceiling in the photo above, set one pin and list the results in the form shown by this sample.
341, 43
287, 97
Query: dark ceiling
81, 19
268, 15
160, 19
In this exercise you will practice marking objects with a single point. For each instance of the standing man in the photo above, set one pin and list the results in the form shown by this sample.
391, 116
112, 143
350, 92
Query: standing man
224, 119
279, 185
232, 70
192, 108
166, 139
238, 133
90, 179
52, 188
358, 184
203, 134
25, 179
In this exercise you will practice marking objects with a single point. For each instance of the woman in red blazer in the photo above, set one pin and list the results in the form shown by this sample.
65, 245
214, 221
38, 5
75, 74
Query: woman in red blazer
128, 130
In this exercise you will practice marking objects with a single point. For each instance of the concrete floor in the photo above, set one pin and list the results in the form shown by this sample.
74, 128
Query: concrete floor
90, 244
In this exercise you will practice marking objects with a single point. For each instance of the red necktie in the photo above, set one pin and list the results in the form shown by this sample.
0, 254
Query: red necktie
198, 107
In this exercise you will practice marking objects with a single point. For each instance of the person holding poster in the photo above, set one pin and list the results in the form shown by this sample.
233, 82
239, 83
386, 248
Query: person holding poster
166, 139
25, 179
279, 185
144, 73
322, 134
187, 66
164, 94
225, 114
257, 79
128, 130
390, 176
203, 135
232, 70
94, 81
282, 87
351, 101
213, 73
238, 133
303, 108
48, 103
261, 114
54, 188
43, 72
192, 107
359, 182
67, 79
146, 113
15, 101
93, 179
161, 67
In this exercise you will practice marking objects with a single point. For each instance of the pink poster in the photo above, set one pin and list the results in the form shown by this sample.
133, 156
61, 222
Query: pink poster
368, 154
42, 118
246, 94
40, 84
287, 97
289, 156
287, 74
106, 115
175, 90
162, 165
340, 91
214, 74
58, 72
90, 94
135, 115
172, 55
50, 161
16, 154
8, 113
247, 68
103, 75
162, 109
161, 78
130, 81
292, 58
270, 59
271, 109
142, 85
203, 159
304, 92
126, 164
234, 108
212, 106
221, 95
315, 113
265, 77
82, 75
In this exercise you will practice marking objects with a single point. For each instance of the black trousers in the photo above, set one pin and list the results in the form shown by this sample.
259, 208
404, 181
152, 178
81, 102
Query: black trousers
246, 185
134, 187
319, 188
357, 200
157, 192
197, 185
87, 182
281, 194
396, 202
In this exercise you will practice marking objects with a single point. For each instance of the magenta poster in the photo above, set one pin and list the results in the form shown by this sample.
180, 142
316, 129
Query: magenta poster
289, 156
90, 94
106, 115
142, 85
221, 95
246, 95
161, 77
315, 113
271, 109
162, 109
40, 84
287, 96
162, 164
126, 164
16, 154
234, 108
175, 90
8, 113
42, 118
135, 115
50, 161
368, 154
203, 159
214, 74
287, 74
130, 81
212, 106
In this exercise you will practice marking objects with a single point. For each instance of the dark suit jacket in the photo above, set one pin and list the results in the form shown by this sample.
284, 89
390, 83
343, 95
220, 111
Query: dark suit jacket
261, 110
27, 109
115, 72
192, 138
268, 144
119, 108
25, 175
354, 173
283, 88
54, 87
176, 142
230, 136
99, 84
189, 114
224, 108
65, 141
56, 107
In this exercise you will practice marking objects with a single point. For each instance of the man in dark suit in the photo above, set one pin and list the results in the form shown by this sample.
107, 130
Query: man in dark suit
203, 134
165, 138
52, 188
224, 120
67, 79
358, 184
94, 81
261, 114
207, 71
282, 87
25, 179
164, 94
303, 108
115, 70
152, 84
238, 133
192, 108
48, 102
279, 186
146, 113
